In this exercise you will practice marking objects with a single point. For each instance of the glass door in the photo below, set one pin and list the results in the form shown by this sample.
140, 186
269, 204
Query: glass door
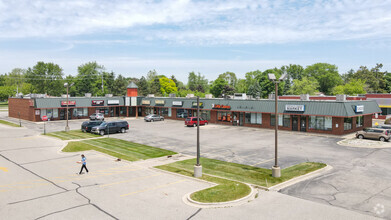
295, 122
303, 123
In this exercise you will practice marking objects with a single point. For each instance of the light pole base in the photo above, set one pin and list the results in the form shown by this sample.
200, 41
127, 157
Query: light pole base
67, 128
197, 171
276, 171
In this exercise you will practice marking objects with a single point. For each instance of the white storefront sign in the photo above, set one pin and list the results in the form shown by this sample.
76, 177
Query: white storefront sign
113, 102
177, 103
359, 108
295, 108
127, 101
133, 101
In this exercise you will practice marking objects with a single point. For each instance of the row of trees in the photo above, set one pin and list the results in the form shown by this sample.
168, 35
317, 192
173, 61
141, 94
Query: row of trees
93, 78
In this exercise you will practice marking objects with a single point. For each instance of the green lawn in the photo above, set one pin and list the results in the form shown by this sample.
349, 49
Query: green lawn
70, 135
244, 173
9, 123
118, 148
3, 106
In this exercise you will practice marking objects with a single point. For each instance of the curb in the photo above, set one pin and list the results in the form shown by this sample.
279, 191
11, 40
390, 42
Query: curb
251, 196
300, 178
375, 146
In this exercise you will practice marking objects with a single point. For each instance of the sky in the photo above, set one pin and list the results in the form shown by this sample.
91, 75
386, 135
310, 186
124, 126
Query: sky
211, 37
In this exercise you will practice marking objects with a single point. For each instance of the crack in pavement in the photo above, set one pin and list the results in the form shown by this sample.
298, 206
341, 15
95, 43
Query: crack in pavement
89, 201
61, 211
17, 164
198, 211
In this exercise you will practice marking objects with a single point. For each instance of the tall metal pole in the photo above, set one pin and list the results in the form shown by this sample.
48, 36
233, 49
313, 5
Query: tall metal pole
276, 125
67, 127
198, 167
198, 130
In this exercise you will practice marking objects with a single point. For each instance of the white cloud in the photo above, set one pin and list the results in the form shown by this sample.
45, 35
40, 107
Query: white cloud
199, 22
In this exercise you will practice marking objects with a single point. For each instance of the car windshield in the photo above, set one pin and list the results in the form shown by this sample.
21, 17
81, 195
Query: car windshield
150, 115
188, 119
103, 124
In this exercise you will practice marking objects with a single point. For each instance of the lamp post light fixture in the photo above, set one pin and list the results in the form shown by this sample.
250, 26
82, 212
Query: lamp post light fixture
276, 171
67, 86
198, 167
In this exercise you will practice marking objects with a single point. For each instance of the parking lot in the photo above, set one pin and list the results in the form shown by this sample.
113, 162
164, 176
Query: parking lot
359, 180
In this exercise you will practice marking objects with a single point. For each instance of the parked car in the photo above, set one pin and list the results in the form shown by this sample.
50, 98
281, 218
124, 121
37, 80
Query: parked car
111, 127
192, 121
97, 116
153, 117
87, 125
374, 133
383, 126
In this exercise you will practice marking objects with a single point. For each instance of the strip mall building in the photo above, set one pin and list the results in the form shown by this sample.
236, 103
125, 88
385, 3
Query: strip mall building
338, 116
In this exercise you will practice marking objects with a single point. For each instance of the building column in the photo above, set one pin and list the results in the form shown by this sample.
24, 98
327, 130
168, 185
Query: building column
136, 112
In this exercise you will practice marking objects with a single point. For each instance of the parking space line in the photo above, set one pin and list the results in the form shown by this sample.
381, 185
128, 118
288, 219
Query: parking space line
4, 169
263, 162
130, 180
153, 188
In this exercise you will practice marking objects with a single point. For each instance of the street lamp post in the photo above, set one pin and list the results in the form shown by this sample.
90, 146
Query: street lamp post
276, 171
198, 167
67, 86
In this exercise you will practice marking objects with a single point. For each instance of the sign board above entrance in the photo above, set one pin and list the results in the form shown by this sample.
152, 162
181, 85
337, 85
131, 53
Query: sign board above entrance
146, 102
223, 107
295, 108
359, 108
177, 103
194, 105
98, 102
113, 102
69, 103
160, 102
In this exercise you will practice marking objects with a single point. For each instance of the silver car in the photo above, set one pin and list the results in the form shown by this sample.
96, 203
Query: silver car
153, 117
97, 116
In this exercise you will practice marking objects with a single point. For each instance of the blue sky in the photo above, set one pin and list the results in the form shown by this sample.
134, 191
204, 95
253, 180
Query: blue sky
210, 37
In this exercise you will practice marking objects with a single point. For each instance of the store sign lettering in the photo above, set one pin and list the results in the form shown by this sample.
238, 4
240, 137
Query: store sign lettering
177, 103
97, 102
146, 102
295, 108
113, 102
218, 106
195, 105
69, 103
359, 108
159, 102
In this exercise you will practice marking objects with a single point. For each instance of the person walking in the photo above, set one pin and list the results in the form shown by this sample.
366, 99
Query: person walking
84, 163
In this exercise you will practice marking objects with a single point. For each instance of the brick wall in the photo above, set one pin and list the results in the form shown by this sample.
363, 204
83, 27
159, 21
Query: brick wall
22, 106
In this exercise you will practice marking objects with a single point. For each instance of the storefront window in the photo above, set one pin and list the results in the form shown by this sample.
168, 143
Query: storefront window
55, 113
163, 111
169, 112
80, 112
347, 123
148, 110
43, 112
359, 121
224, 116
320, 123
273, 120
183, 113
253, 118
102, 110
286, 120
122, 110
205, 114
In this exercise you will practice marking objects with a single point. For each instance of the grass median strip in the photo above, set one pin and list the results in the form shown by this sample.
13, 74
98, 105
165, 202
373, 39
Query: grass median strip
9, 123
228, 189
70, 135
125, 150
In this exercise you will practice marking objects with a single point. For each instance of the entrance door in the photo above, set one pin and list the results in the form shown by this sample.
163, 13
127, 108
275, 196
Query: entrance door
62, 114
241, 118
295, 122
303, 123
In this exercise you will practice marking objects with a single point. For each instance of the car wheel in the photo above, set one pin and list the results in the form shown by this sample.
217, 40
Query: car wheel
382, 139
152, 120
123, 130
194, 125
360, 136
102, 132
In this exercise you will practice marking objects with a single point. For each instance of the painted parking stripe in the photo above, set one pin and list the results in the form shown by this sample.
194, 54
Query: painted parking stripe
153, 188
263, 162
4, 169
130, 180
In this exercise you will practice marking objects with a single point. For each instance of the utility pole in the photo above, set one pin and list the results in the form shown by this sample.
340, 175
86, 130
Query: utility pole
102, 85
198, 167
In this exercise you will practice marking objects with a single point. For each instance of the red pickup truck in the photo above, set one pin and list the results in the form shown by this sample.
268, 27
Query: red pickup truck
192, 121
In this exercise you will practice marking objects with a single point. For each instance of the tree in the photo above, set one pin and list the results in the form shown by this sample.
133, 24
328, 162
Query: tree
241, 86
45, 78
230, 77
377, 81
354, 87
218, 87
255, 90
304, 86
120, 84
267, 86
6, 92
143, 86
326, 74
88, 79
167, 86
197, 82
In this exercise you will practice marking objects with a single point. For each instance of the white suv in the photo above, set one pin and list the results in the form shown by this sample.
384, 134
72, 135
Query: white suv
97, 116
